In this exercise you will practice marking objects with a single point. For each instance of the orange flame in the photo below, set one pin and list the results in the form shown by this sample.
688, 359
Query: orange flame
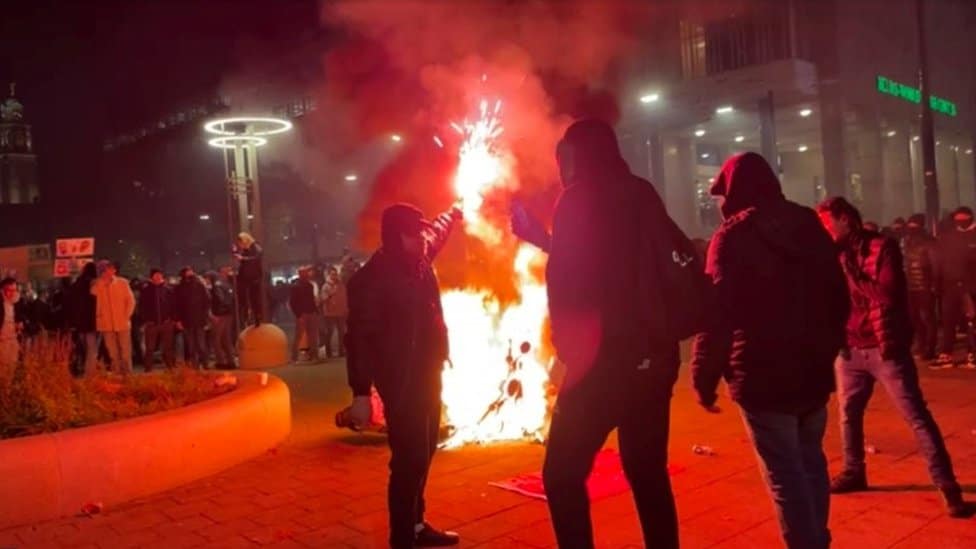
495, 387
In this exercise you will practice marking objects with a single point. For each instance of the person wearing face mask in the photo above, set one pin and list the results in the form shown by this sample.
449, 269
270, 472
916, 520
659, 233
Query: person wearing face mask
397, 340
878, 350
957, 269
11, 323
778, 326
918, 247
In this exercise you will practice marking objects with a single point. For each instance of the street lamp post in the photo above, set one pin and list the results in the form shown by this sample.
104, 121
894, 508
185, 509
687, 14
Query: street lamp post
238, 138
929, 176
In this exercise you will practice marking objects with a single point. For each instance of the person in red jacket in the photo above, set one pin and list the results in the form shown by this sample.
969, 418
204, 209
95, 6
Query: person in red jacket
397, 340
879, 342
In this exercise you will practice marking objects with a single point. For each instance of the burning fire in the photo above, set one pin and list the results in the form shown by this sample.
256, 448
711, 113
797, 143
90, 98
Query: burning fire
495, 385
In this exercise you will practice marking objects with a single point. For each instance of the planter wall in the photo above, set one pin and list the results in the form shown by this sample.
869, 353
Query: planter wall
54, 475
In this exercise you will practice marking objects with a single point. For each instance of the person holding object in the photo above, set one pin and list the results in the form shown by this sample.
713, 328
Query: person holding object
879, 342
397, 340
614, 330
250, 278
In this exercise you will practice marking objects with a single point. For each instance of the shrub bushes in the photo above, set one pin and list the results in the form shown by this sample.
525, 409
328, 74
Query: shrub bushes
39, 394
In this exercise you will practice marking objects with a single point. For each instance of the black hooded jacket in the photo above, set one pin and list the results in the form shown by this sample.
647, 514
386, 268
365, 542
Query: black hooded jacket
595, 272
782, 297
396, 336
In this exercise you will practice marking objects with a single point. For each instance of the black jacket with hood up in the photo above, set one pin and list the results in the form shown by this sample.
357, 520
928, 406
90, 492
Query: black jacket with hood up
396, 337
782, 297
600, 329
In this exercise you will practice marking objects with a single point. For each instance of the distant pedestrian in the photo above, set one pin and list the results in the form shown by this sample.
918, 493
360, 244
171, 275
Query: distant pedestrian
879, 340
192, 313
158, 312
921, 268
81, 320
250, 278
335, 310
11, 325
779, 324
222, 318
114, 304
956, 250
303, 301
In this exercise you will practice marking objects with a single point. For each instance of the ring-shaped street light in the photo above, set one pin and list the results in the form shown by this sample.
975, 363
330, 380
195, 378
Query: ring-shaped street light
260, 126
231, 141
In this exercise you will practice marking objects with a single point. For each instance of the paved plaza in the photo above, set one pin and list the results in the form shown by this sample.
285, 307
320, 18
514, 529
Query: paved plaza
326, 487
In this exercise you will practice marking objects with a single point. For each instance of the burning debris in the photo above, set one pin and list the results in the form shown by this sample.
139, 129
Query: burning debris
489, 393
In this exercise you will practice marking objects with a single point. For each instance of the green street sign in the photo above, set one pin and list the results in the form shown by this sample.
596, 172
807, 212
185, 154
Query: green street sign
908, 93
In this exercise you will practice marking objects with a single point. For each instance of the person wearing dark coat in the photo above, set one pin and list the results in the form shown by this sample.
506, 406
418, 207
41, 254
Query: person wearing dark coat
303, 302
921, 266
957, 281
222, 317
619, 372
192, 310
81, 319
779, 324
250, 278
878, 350
158, 313
397, 340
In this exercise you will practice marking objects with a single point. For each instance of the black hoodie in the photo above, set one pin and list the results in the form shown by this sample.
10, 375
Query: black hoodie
783, 300
595, 273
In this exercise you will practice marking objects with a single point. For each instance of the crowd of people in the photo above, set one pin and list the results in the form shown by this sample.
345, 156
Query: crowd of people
317, 298
790, 305
941, 278
185, 318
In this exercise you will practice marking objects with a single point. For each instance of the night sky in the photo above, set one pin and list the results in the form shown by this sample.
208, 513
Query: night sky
88, 70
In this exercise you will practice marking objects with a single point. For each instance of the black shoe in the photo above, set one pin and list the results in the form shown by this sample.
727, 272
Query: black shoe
432, 537
848, 482
957, 507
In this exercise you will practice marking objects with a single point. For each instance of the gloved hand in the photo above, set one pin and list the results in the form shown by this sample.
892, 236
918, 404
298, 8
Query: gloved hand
361, 411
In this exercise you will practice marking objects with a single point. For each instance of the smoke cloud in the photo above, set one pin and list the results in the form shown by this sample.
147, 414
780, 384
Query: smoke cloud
411, 67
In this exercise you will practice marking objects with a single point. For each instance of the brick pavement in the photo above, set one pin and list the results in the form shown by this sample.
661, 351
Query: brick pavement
325, 487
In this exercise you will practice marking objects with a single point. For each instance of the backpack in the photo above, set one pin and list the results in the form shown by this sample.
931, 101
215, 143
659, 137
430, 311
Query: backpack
676, 294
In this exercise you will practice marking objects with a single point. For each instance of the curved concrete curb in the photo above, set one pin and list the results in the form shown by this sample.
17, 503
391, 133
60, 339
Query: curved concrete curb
54, 475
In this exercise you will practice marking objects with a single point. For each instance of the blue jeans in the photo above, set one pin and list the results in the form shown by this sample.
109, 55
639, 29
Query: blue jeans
855, 380
791, 458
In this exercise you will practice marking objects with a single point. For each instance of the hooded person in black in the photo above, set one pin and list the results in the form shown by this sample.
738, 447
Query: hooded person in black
397, 340
921, 269
782, 308
957, 281
619, 376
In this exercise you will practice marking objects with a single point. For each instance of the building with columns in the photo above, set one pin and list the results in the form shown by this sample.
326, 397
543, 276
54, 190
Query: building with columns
826, 91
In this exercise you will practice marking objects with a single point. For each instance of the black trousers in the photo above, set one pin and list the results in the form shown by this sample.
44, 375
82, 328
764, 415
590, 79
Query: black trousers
639, 407
413, 420
957, 306
250, 301
921, 306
